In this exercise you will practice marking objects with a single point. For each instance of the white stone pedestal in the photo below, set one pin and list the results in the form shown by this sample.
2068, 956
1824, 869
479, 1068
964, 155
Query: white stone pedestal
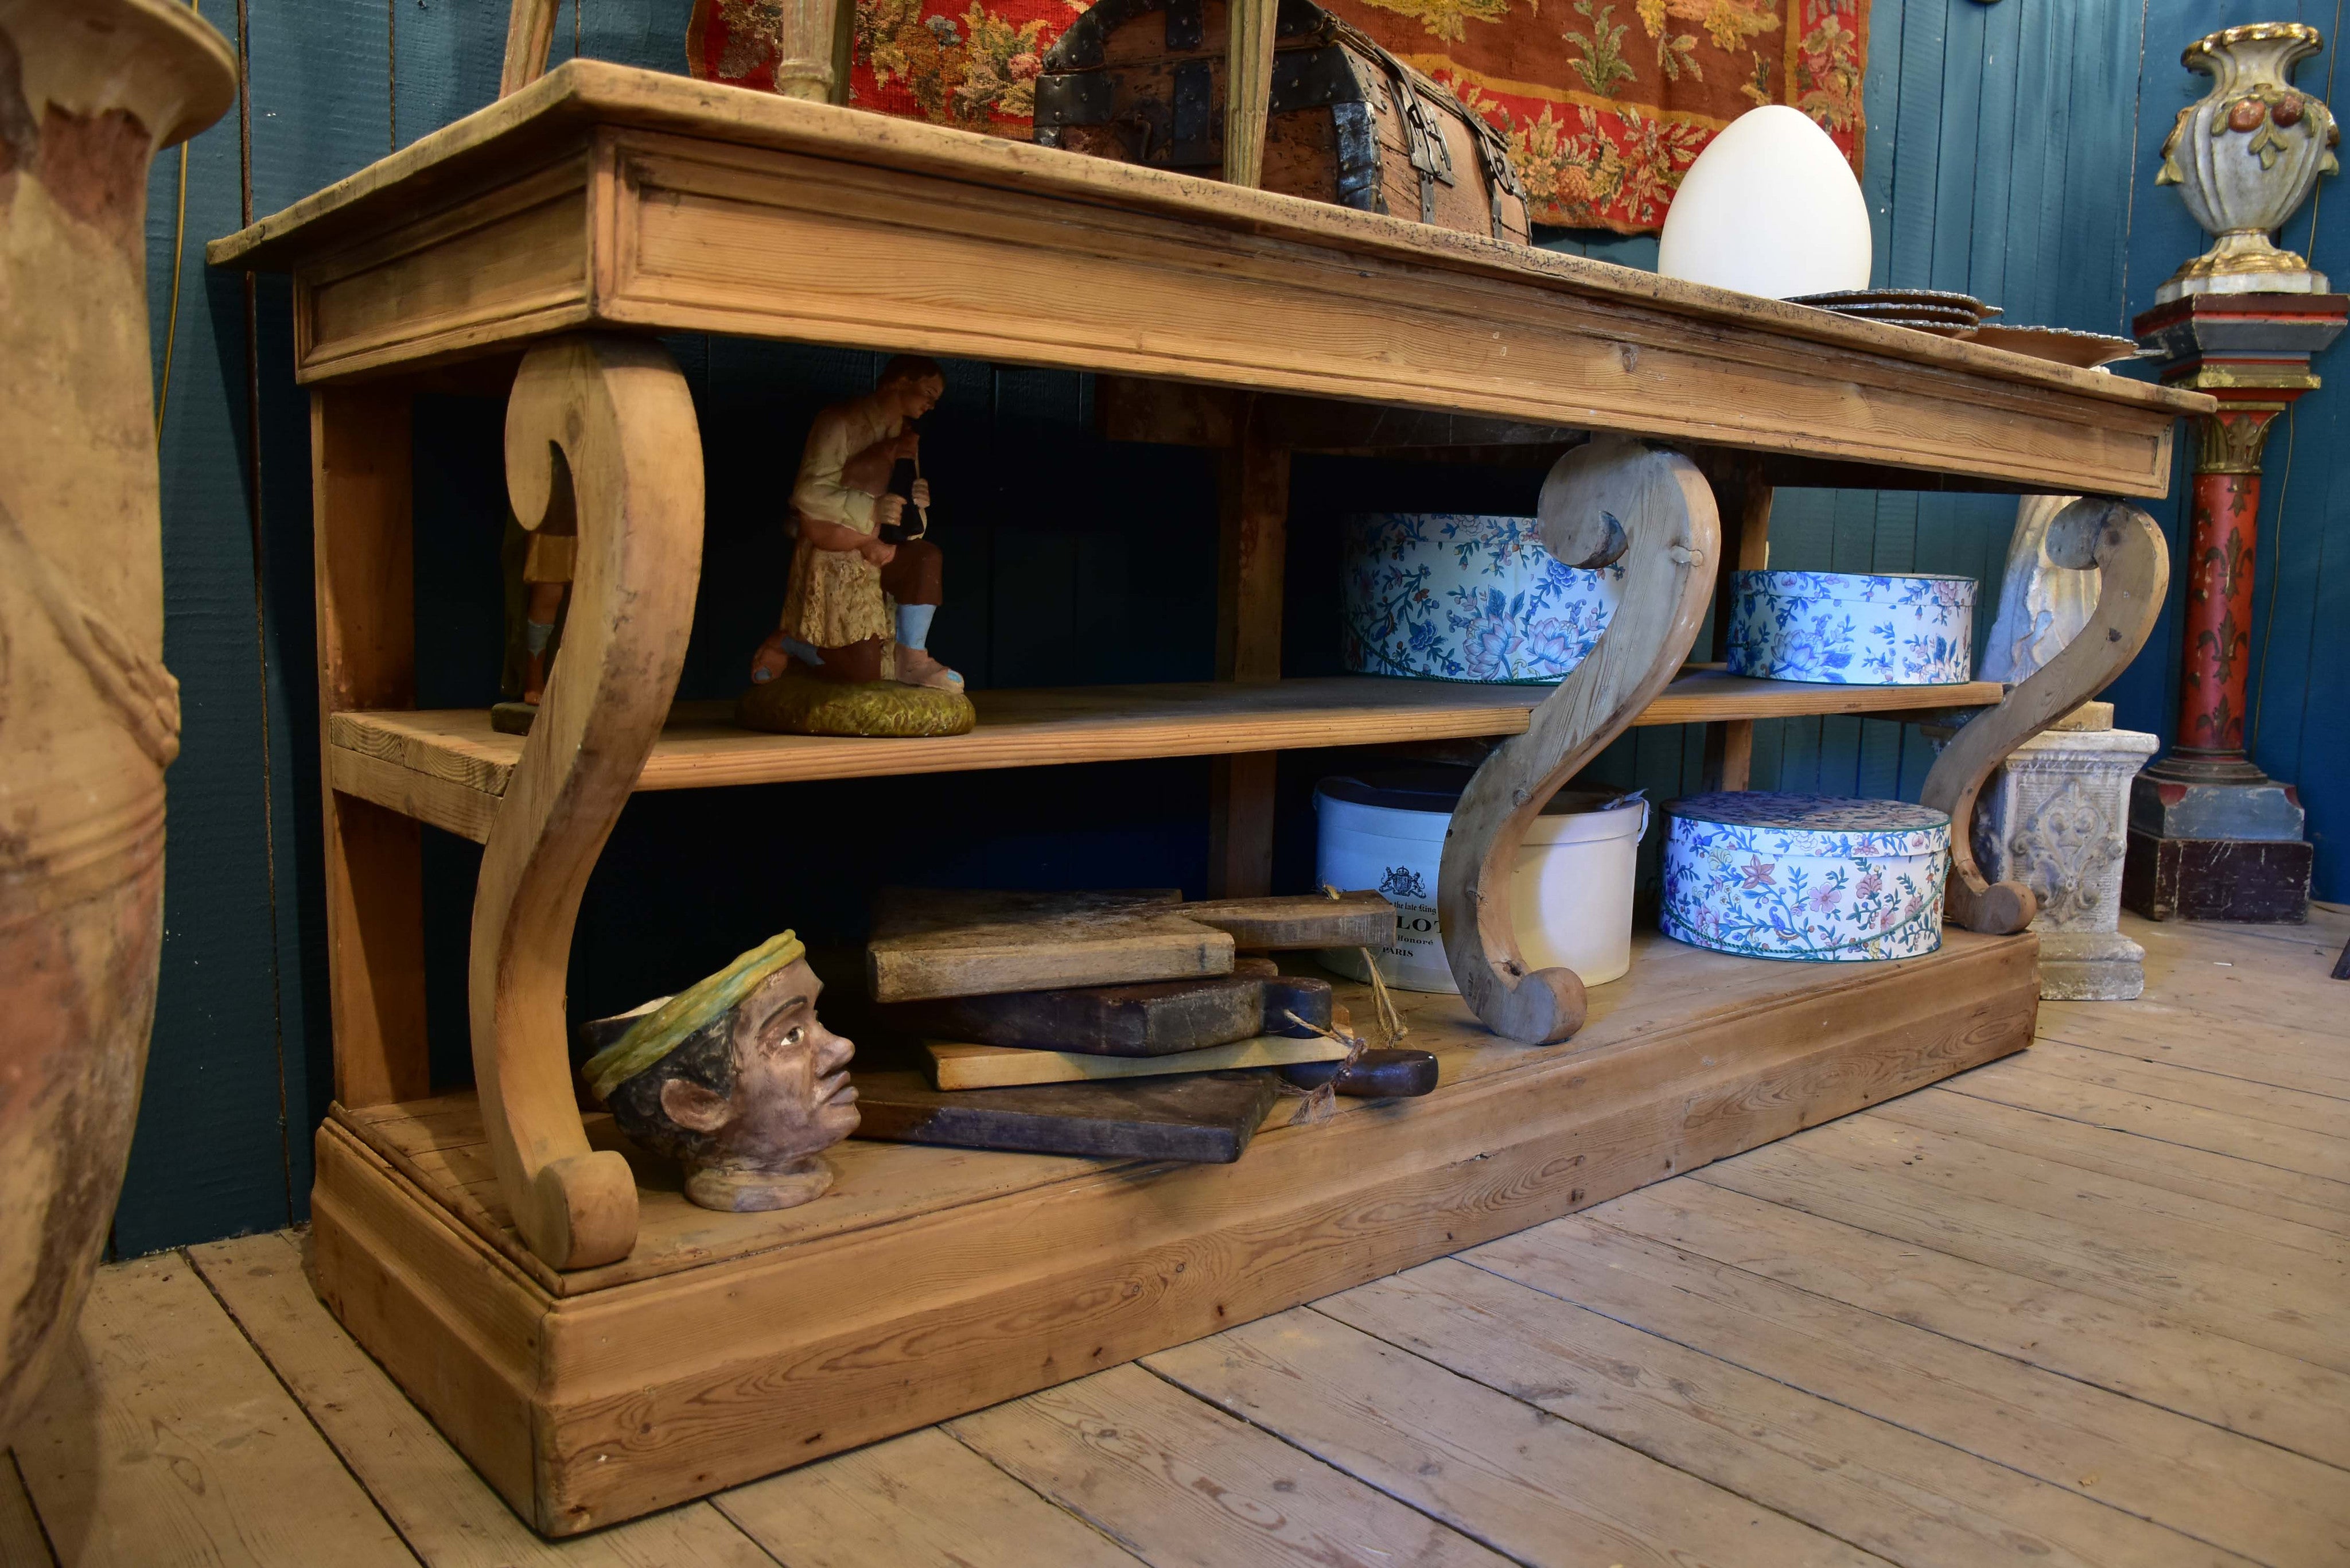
2056, 817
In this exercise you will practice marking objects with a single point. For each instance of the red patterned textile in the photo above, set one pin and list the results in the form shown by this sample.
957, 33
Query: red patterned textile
1606, 102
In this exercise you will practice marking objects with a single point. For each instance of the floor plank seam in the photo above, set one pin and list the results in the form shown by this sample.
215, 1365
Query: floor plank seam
1723, 1486
1893, 1113
2087, 1042
1595, 1218
2067, 1486
1958, 1087
2312, 933
47, 1540
1962, 1258
187, 1256
2254, 1114
1244, 1418
2163, 1091
2085, 1160
1129, 1547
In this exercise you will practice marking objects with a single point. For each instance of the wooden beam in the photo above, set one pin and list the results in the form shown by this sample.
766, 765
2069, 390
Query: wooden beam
1828, 473
1251, 549
365, 563
448, 767
1177, 413
1742, 492
1251, 543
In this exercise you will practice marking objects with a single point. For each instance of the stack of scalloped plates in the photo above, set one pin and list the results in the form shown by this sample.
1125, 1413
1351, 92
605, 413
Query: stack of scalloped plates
2086, 349
1939, 311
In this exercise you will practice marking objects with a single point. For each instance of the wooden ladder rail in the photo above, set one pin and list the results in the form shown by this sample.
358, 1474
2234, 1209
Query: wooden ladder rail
2134, 565
605, 425
530, 34
1611, 500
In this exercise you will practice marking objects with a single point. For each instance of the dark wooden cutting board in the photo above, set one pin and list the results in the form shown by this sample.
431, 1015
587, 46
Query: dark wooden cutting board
1156, 1018
948, 943
1205, 1118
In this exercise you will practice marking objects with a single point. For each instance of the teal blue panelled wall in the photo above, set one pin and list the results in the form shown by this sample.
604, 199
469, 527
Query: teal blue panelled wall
2010, 153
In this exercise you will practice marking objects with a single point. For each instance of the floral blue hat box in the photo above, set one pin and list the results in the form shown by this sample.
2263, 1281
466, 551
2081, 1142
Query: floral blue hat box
1449, 597
1805, 877
1847, 630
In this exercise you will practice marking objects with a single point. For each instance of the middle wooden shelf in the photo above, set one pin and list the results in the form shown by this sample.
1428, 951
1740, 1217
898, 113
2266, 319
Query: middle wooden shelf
449, 768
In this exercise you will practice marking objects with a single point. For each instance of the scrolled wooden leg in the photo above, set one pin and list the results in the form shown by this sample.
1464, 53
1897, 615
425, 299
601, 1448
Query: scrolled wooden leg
1613, 499
2134, 572
607, 420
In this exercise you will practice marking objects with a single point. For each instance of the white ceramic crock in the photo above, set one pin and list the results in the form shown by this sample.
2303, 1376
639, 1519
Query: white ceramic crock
1572, 896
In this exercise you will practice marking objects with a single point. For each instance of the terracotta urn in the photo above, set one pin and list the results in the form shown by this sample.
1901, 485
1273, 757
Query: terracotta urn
2244, 157
89, 89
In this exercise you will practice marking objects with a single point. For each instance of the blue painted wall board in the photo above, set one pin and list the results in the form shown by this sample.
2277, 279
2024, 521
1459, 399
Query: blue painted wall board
212, 1140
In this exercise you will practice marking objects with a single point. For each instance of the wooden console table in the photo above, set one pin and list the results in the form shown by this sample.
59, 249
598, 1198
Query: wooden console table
599, 1348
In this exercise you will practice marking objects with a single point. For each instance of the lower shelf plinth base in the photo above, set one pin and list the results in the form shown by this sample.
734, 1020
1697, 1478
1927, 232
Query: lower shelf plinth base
932, 1281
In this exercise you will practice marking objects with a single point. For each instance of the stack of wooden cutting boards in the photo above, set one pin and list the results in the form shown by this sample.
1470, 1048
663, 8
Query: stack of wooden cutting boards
1120, 1024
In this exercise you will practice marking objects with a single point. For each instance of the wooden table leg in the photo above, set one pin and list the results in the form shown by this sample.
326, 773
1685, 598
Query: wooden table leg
1611, 500
608, 420
2135, 572
1744, 496
364, 540
1252, 545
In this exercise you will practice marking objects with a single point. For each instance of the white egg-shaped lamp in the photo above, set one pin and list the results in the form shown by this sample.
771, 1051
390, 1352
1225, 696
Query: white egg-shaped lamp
1770, 207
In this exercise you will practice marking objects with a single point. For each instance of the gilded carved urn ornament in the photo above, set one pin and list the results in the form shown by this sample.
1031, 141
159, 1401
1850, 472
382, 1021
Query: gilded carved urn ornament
2245, 156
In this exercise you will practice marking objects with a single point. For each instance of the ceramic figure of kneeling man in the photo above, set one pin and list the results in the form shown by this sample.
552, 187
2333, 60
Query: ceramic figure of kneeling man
863, 593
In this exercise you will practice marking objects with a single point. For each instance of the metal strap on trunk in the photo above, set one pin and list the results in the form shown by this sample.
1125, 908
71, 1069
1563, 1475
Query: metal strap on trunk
1423, 132
1501, 174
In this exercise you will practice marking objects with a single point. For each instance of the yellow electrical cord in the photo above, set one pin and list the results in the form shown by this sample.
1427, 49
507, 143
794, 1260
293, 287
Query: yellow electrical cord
179, 248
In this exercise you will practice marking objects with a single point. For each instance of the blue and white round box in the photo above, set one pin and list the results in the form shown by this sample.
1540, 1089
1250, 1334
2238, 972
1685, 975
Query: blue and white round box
1805, 877
1454, 596
1846, 628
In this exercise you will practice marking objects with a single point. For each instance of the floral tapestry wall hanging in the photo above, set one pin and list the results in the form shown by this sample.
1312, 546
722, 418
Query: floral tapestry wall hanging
1606, 103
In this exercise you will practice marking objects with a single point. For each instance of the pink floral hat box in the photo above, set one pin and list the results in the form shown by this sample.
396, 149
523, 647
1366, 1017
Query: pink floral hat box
1807, 877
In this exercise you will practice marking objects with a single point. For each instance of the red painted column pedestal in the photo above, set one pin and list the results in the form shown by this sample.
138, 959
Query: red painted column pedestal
2211, 836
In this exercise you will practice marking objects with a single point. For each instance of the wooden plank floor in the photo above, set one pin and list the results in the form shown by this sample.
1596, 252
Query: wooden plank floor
2087, 1305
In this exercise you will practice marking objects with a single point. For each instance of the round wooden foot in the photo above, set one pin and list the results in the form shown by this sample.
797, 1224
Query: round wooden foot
1539, 1009
2001, 909
585, 1210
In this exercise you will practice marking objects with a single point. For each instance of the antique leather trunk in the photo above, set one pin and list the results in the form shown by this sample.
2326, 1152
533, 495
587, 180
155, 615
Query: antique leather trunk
1143, 81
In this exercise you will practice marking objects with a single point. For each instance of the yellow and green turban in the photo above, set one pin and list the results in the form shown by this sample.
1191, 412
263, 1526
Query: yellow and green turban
668, 1026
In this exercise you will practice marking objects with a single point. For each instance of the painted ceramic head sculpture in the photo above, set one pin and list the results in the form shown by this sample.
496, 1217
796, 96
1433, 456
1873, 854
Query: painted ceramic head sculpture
735, 1077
